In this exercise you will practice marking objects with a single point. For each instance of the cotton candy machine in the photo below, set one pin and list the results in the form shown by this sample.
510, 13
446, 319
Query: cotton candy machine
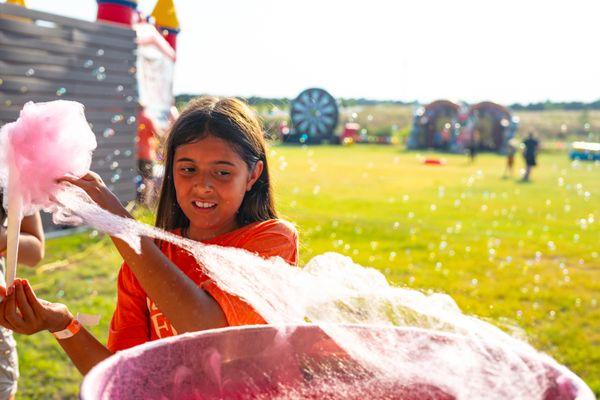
266, 362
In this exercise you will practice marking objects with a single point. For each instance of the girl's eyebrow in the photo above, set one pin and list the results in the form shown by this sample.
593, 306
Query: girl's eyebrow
222, 162
184, 159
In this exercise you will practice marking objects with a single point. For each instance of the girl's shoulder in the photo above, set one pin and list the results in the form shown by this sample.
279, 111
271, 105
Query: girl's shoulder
261, 230
274, 237
271, 228
275, 226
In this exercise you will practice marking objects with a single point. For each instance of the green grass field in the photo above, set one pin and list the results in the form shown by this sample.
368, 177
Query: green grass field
515, 254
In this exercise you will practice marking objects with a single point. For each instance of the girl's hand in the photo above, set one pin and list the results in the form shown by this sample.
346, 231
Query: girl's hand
93, 185
22, 312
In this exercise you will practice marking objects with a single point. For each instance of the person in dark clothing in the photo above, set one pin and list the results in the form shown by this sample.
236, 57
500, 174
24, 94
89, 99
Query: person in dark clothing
530, 150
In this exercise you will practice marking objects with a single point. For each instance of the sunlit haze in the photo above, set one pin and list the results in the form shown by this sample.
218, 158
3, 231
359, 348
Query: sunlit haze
511, 51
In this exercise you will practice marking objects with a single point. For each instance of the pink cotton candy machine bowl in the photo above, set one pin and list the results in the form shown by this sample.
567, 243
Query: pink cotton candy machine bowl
292, 362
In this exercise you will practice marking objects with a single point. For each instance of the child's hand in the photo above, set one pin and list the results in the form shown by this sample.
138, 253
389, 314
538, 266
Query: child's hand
22, 312
93, 185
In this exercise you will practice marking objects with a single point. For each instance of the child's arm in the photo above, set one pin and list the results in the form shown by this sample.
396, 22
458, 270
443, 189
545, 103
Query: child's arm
188, 307
35, 315
31, 240
84, 350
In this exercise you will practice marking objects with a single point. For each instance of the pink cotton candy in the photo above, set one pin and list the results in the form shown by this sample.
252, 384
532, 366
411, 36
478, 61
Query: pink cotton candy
48, 141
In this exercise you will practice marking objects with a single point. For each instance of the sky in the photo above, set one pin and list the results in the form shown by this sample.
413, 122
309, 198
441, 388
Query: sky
511, 51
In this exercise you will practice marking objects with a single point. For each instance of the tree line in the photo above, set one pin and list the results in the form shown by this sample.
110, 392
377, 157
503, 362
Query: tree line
283, 102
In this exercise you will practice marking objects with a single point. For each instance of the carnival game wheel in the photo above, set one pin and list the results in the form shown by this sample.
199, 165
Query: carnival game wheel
314, 115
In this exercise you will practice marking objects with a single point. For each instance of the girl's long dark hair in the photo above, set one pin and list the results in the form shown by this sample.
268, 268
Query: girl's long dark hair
2, 212
231, 120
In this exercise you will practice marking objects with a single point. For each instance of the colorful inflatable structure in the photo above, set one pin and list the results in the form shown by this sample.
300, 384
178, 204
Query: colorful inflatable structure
488, 126
435, 126
445, 125
156, 38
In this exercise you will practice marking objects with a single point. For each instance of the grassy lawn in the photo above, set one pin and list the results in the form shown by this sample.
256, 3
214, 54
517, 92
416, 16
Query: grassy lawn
516, 254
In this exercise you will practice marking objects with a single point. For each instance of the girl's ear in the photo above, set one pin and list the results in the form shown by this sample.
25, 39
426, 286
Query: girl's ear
254, 174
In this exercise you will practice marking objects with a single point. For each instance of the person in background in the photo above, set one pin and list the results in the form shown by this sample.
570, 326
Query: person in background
530, 151
31, 252
161, 133
147, 144
511, 150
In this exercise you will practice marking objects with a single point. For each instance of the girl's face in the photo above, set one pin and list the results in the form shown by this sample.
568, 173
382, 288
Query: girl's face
211, 180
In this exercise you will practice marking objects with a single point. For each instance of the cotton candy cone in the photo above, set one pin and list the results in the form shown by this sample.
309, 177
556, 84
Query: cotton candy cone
47, 142
15, 210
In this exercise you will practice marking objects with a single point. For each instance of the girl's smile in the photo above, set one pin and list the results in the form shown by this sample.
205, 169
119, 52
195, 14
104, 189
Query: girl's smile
211, 180
204, 205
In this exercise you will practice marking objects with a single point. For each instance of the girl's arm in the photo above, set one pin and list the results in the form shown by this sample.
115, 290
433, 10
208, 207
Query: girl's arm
188, 307
35, 315
84, 350
31, 240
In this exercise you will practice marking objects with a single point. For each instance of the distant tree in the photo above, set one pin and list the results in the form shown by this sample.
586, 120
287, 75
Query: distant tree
283, 103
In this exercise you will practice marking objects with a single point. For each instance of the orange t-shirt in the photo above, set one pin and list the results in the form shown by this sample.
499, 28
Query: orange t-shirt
137, 320
146, 141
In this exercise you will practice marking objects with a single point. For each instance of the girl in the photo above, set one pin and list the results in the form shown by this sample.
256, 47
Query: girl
31, 251
216, 190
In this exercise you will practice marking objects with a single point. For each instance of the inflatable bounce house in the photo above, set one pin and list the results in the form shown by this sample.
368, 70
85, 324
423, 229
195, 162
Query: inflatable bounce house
156, 39
435, 126
444, 125
487, 126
